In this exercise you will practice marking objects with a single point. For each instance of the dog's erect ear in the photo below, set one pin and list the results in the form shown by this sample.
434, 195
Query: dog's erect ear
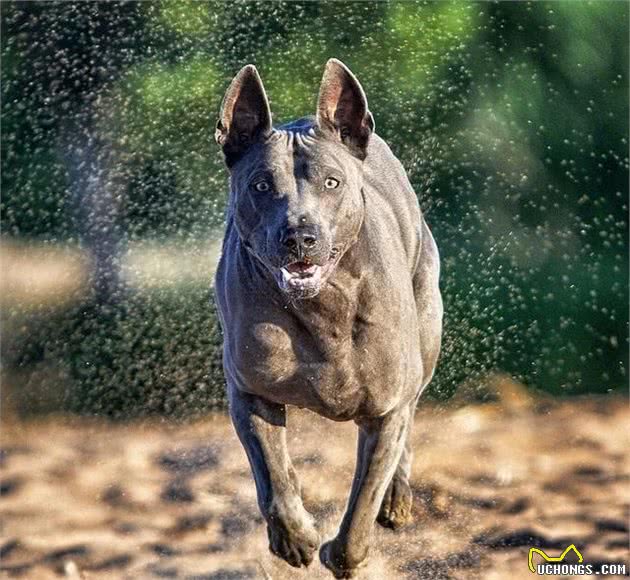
245, 114
342, 108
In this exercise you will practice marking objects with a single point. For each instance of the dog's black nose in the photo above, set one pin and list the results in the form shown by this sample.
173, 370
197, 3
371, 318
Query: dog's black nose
299, 239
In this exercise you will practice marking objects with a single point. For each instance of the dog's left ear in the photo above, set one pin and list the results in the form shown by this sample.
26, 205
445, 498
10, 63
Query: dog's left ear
245, 115
342, 108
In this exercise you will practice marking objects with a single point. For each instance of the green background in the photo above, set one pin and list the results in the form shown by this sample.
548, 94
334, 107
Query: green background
511, 119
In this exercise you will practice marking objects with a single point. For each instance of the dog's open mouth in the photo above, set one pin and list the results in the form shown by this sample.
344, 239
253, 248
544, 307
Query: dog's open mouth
302, 279
300, 274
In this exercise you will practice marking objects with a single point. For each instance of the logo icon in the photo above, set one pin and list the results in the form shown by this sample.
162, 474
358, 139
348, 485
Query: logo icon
547, 558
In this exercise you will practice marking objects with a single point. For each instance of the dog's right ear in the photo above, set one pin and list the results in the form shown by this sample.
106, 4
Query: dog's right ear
245, 115
342, 109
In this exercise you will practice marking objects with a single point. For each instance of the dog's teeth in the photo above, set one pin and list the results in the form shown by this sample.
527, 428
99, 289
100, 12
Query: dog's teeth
286, 275
300, 278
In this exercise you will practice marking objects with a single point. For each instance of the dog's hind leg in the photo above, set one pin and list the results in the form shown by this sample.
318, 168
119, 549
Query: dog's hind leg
261, 427
395, 509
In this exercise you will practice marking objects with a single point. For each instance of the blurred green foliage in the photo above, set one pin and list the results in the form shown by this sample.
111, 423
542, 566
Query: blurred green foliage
511, 119
154, 353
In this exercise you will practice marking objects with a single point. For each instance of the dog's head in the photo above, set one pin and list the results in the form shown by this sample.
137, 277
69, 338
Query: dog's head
297, 195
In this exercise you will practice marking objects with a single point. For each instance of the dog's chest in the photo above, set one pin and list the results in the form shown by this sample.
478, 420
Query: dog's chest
343, 365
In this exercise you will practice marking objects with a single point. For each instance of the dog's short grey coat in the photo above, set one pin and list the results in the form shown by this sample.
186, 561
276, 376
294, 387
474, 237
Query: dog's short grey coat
328, 297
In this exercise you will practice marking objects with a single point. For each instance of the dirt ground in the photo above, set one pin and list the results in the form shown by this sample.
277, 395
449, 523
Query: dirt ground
91, 499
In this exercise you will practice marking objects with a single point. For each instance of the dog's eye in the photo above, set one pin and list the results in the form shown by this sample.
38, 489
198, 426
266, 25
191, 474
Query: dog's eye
331, 183
262, 186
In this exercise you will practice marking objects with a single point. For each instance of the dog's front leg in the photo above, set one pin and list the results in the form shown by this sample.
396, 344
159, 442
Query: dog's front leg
381, 442
261, 427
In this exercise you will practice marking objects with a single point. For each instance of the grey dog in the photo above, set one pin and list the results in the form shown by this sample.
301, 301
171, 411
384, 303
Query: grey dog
328, 296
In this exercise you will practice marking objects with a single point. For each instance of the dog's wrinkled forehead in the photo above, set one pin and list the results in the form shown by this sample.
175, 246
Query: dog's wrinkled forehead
297, 151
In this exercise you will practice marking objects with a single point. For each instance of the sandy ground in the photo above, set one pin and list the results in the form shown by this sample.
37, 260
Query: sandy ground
90, 499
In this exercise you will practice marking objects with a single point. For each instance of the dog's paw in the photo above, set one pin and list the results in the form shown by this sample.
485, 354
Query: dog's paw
338, 562
296, 544
395, 510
